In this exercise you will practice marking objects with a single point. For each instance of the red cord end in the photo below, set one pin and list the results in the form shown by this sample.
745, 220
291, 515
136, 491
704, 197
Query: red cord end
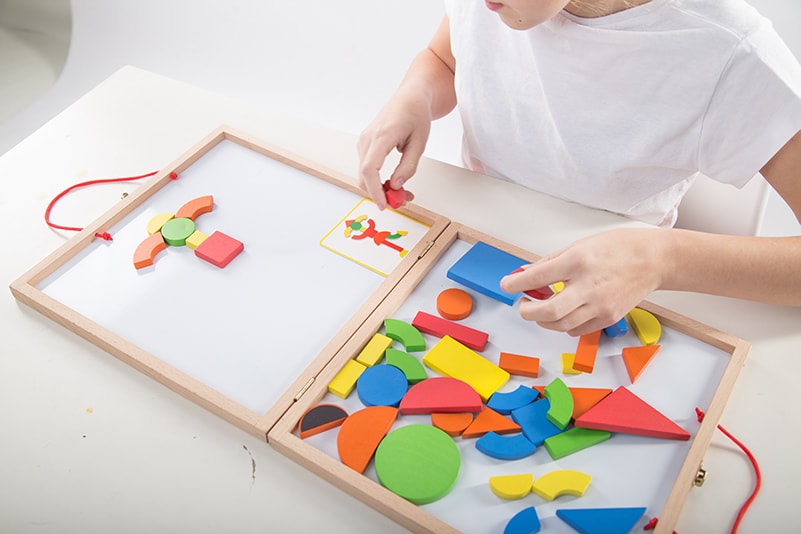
174, 175
104, 235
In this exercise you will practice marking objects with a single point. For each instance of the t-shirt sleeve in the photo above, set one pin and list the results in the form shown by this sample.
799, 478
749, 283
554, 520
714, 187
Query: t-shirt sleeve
754, 111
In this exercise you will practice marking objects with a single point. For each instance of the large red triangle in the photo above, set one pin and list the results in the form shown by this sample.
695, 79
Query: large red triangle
637, 358
623, 411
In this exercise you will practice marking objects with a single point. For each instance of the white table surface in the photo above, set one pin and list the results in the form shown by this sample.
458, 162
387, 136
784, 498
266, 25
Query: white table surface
91, 445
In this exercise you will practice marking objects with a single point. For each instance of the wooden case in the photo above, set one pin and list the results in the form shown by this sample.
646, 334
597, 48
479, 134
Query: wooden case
301, 312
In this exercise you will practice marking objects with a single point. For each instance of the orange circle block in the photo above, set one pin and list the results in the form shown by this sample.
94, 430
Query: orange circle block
454, 304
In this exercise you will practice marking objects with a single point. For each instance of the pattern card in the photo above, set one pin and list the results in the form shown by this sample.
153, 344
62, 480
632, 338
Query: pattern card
375, 239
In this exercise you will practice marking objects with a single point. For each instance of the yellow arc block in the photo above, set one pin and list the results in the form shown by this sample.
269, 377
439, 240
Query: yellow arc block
511, 487
561, 482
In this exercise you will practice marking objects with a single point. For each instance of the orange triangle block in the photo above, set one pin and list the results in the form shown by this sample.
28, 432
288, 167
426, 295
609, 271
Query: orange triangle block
623, 411
488, 420
637, 358
583, 398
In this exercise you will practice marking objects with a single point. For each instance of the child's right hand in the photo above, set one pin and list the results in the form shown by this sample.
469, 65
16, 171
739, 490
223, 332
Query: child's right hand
403, 124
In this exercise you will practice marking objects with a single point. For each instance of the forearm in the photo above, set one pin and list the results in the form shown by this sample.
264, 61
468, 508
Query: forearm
429, 77
764, 269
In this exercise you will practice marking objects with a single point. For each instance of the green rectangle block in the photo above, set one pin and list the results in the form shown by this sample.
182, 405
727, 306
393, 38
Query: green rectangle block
574, 440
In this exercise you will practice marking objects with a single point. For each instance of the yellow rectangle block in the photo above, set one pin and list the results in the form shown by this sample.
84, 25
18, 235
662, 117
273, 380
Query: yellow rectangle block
374, 350
346, 378
450, 358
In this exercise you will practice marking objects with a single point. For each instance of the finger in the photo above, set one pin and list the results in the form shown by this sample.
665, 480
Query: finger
411, 153
535, 276
369, 173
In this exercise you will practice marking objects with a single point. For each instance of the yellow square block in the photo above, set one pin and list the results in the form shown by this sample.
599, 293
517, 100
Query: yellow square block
450, 358
568, 358
194, 240
374, 350
346, 378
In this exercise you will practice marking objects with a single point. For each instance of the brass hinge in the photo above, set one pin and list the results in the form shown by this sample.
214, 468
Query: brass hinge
304, 389
700, 477
425, 250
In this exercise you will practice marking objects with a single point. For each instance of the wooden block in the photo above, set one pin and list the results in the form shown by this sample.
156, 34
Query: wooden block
645, 325
623, 411
574, 440
488, 420
504, 403
526, 521
618, 329
500, 447
381, 385
568, 358
175, 231
373, 351
583, 398
481, 269
519, 365
439, 327
345, 380
194, 240
411, 366
601, 520
156, 222
196, 207
561, 482
454, 304
395, 197
637, 358
511, 487
542, 293
219, 249
405, 334
361, 433
440, 394
321, 418
145, 253
418, 462
534, 422
561, 400
586, 352
450, 358
452, 424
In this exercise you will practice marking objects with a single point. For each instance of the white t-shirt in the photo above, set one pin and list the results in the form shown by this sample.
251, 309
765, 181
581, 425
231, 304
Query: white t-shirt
622, 112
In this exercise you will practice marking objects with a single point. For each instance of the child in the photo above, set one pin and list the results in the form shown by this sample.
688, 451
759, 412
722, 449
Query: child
617, 104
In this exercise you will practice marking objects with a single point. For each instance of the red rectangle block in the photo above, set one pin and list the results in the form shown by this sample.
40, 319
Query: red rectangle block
439, 327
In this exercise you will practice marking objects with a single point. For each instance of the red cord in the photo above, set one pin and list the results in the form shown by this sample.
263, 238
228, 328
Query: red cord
102, 235
754, 463
744, 508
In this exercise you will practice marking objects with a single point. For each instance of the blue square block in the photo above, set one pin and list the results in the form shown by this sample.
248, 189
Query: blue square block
481, 269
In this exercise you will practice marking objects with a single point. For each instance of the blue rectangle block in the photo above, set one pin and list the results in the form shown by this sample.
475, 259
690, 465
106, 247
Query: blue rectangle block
481, 269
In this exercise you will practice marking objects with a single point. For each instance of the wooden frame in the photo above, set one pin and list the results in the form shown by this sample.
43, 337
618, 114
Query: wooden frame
278, 425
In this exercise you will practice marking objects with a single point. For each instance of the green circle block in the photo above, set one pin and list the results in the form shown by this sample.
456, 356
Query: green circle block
418, 462
175, 231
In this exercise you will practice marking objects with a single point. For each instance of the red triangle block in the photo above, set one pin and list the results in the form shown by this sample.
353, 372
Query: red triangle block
637, 358
623, 411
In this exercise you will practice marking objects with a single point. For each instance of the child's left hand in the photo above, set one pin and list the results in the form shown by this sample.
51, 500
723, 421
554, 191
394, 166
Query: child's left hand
605, 276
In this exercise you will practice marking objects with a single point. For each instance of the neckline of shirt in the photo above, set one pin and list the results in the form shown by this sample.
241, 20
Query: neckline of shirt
642, 10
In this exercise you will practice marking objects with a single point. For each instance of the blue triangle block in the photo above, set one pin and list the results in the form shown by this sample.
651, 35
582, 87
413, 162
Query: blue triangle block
601, 520
526, 521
